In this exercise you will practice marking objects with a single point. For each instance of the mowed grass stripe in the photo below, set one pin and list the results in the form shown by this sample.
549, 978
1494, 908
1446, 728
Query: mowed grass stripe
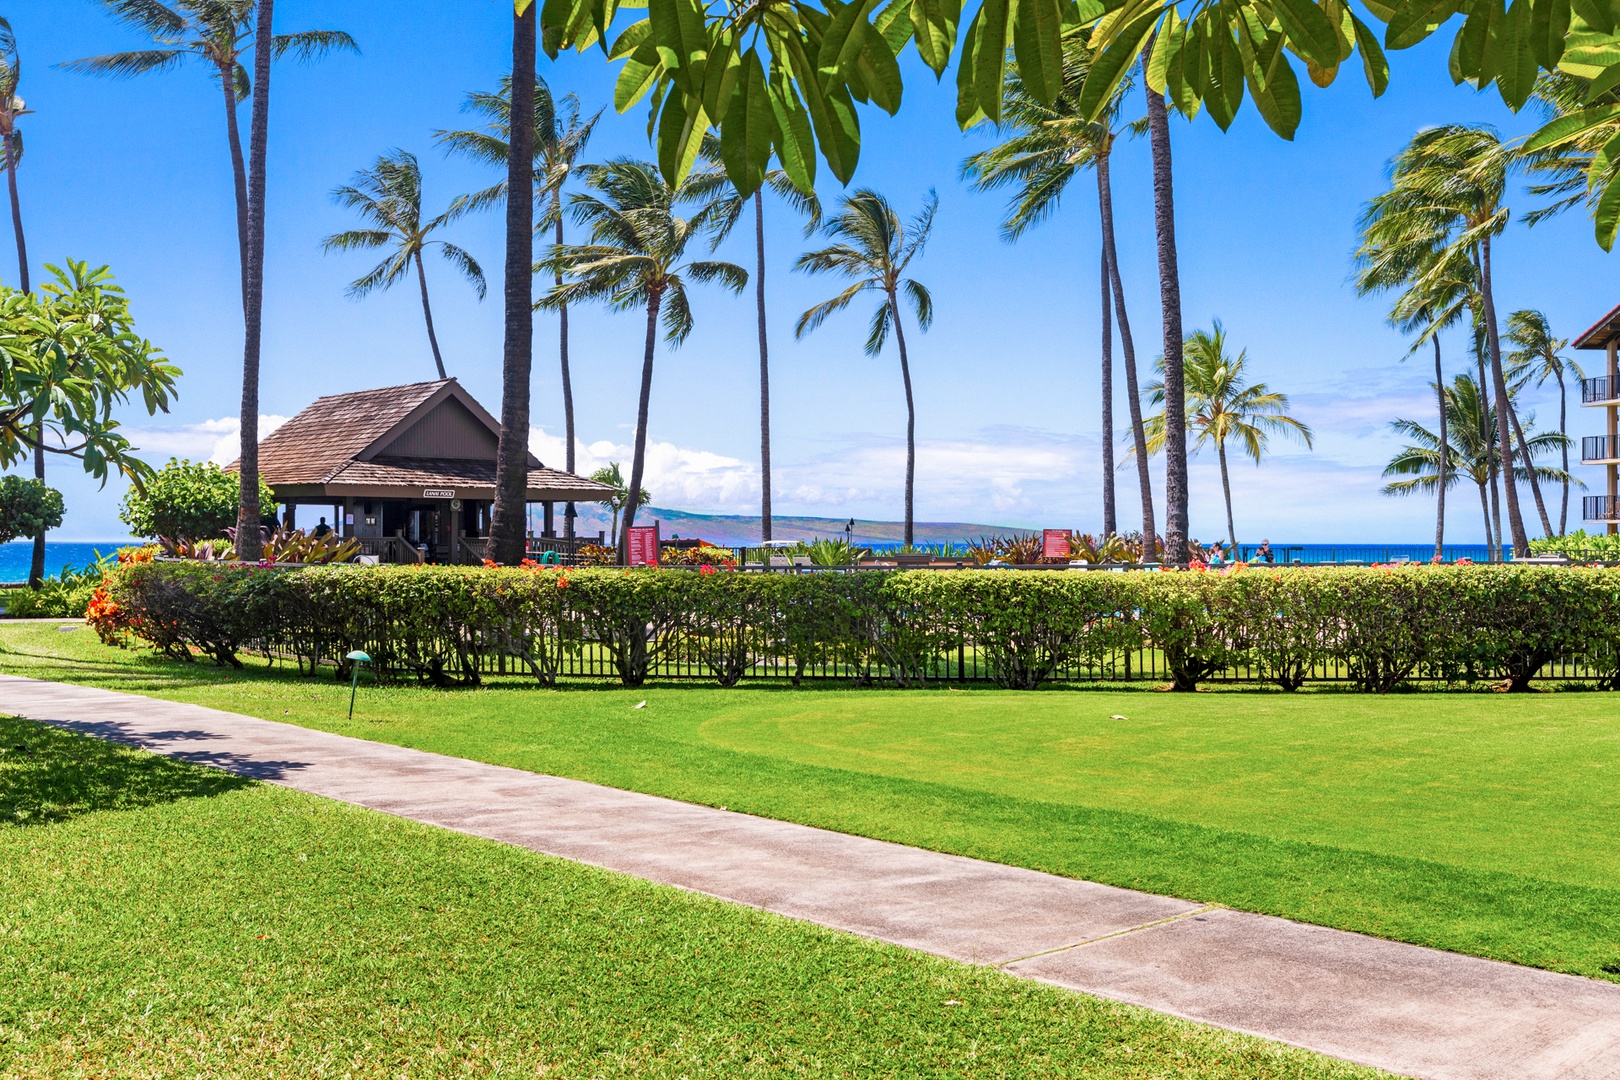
161, 919
1471, 822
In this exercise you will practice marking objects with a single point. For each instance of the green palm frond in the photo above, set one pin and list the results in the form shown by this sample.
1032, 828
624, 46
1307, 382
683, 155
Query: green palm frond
309, 45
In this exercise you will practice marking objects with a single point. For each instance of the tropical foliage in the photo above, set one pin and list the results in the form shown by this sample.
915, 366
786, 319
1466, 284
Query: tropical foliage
192, 500
611, 475
69, 359
27, 508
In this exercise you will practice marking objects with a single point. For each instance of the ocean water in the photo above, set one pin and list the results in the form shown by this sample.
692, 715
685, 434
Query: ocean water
15, 556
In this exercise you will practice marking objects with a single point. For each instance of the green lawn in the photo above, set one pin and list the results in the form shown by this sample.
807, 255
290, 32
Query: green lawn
1478, 822
164, 920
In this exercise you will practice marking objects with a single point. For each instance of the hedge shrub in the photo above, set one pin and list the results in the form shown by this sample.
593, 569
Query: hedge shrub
1379, 627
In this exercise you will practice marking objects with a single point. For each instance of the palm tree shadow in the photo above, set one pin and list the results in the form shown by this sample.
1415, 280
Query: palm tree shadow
49, 776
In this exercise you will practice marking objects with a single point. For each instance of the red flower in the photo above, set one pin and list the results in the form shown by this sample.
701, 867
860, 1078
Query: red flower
562, 582
705, 569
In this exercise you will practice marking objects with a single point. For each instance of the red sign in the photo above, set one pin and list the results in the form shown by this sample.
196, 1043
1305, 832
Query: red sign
641, 543
1054, 543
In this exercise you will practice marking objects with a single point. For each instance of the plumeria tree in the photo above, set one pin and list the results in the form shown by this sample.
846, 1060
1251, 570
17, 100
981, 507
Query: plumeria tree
69, 360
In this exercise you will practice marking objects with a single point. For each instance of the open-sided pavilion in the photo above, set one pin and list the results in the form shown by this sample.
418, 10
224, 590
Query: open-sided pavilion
409, 471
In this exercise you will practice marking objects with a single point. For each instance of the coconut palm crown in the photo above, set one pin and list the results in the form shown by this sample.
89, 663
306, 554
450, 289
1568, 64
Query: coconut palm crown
1223, 405
389, 196
636, 260
876, 250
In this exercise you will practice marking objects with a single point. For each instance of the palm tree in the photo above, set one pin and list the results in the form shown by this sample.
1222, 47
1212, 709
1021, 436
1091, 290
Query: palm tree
12, 107
1454, 179
1436, 287
712, 181
559, 139
636, 258
1537, 356
1053, 144
216, 32
389, 196
877, 251
1164, 223
509, 516
611, 475
1473, 450
248, 539
1222, 405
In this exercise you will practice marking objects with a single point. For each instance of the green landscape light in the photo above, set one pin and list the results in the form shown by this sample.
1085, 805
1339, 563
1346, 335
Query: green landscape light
358, 658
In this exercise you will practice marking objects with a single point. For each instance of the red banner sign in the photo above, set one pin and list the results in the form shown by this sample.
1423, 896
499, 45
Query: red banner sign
1055, 543
641, 542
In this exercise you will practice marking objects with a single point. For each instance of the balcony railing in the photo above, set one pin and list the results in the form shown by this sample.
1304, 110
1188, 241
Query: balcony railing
1601, 388
1600, 508
1599, 448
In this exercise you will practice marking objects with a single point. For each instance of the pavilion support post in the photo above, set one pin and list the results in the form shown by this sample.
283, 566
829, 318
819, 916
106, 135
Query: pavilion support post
346, 521
290, 518
1613, 413
551, 530
453, 517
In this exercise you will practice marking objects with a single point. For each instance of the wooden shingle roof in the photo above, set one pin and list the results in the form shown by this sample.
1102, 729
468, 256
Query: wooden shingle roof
347, 445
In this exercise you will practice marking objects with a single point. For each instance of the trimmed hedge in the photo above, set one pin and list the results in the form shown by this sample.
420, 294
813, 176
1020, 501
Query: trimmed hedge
1379, 627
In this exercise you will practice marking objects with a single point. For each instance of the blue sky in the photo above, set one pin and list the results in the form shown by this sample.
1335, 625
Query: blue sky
135, 174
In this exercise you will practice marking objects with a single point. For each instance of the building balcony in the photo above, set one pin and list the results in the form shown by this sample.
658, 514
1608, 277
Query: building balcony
1600, 450
1600, 391
1600, 508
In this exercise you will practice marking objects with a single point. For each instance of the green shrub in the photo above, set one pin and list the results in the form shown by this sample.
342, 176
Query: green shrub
65, 596
27, 508
1379, 626
186, 499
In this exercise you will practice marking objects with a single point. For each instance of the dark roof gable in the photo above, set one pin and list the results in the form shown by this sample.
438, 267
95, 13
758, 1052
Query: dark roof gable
335, 431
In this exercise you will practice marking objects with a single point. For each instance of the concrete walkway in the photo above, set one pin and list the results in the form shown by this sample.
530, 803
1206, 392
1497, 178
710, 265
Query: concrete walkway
1410, 1010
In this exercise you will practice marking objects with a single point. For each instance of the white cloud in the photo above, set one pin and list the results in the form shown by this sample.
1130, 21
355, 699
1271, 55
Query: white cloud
677, 476
211, 440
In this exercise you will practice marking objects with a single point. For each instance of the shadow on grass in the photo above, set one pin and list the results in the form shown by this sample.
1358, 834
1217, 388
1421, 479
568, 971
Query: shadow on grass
48, 775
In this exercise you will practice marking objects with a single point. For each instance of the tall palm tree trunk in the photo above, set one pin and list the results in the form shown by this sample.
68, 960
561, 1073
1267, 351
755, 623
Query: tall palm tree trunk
1226, 491
764, 374
1493, 539
567, 377
1133, 398
1510, 489
638, 463
1485, 509
36, 562
911, 415
1445, 453
1563, 419
1110, 520
1175, 394
1524, 455
233, 135
427, 313
510, 516
248, 538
